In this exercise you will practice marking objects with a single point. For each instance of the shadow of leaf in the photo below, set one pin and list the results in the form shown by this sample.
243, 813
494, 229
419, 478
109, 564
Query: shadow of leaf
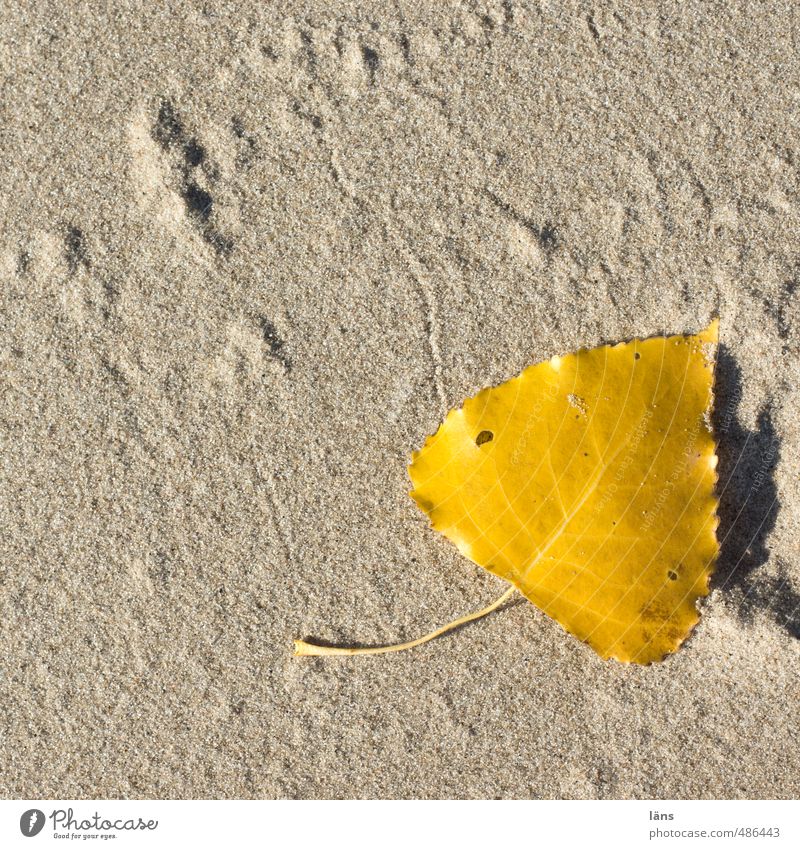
748, 508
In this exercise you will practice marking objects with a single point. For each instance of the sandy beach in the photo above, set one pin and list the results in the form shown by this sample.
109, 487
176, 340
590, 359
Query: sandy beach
250, 256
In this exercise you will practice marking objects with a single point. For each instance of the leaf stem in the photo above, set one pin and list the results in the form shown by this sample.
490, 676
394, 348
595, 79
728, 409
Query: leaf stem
304, 649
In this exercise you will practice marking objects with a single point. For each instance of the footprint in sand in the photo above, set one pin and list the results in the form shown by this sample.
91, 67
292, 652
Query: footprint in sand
175, 178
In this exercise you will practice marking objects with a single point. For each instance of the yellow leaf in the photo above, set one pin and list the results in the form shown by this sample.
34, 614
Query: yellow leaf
587, 482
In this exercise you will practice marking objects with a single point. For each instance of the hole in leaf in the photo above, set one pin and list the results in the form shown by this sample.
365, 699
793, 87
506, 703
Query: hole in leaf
673, 576
483, 437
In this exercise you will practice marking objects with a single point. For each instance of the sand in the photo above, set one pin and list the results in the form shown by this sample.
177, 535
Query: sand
250, 256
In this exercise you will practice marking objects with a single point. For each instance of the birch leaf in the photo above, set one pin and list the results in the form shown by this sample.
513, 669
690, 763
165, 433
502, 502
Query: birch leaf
587, 482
